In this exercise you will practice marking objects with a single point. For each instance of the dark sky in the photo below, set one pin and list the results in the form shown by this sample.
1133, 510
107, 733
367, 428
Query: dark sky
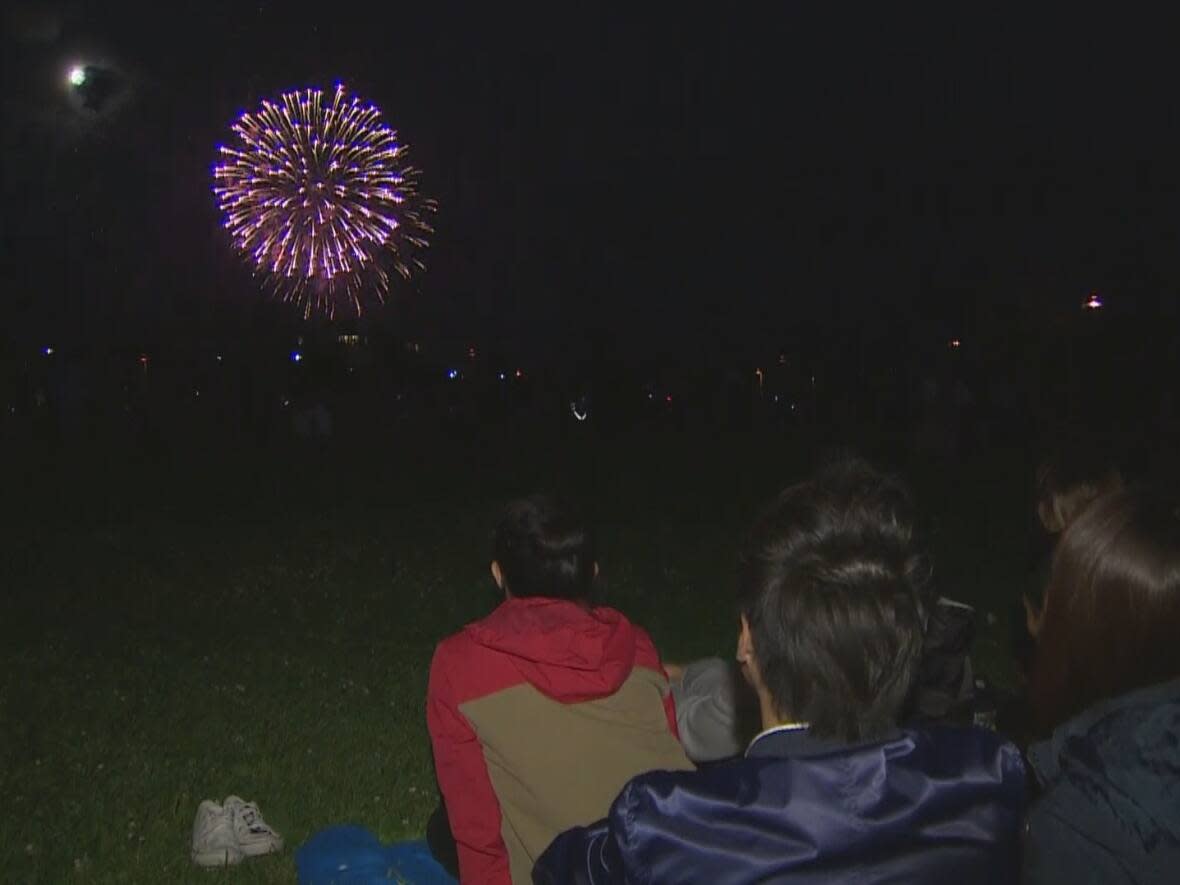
660, 179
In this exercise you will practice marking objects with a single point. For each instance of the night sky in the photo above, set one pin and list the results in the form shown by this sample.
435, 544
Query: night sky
661, 179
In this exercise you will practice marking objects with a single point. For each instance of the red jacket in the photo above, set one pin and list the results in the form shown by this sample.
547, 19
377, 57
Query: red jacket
538, 715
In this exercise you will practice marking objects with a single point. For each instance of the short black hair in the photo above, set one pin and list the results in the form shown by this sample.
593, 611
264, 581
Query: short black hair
545, 549
831, 582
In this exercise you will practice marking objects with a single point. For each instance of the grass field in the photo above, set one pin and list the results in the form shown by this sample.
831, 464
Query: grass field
182, 628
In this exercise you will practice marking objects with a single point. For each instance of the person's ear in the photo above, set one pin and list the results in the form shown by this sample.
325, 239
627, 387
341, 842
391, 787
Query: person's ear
745, 644
497, 574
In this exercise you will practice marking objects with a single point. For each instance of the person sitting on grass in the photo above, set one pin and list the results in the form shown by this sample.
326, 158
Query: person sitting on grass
831, 609
539, 713
1106, 681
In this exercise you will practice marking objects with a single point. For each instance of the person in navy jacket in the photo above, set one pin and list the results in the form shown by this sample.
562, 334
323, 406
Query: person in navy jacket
831, 611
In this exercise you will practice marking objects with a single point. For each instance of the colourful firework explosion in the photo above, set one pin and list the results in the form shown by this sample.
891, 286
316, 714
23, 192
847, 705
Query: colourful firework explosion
318, 197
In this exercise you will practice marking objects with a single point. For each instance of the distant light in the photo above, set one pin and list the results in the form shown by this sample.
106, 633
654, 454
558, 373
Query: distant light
197, 392
668, 399
218, 357
782, 359
519, 373
580, 415
77, 75
453, 374
471, 353
48, 351
955, 344
296, 356
502, 376
1094, 302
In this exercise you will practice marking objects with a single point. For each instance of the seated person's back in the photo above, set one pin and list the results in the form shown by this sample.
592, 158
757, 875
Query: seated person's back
1105, 690
540, 712
830, 596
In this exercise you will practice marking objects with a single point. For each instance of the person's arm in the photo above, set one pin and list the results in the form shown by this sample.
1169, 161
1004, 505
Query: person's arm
581, 856
472, 808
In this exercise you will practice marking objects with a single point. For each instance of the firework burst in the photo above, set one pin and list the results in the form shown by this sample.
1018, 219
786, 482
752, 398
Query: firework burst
317, 195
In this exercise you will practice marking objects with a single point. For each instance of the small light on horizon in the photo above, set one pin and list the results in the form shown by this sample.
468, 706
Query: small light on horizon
1094, 302
48, 351
77, 75
955, 343
296, 356
520, 373
503, 376
453, 374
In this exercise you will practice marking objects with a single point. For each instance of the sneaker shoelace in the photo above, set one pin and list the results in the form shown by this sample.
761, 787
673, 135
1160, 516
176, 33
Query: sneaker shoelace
250, 815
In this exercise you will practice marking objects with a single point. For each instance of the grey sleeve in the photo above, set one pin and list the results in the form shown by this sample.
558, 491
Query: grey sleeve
707, 706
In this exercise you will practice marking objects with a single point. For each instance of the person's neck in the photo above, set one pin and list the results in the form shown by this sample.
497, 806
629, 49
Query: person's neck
772, 718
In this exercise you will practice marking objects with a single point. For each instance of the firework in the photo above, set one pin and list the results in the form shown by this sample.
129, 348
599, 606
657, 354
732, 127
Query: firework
317, 196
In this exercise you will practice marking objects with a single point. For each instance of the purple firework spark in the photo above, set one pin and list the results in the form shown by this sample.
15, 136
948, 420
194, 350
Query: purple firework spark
320, 200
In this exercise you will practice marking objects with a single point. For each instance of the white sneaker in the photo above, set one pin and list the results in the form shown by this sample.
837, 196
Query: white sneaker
254, 836
214, 844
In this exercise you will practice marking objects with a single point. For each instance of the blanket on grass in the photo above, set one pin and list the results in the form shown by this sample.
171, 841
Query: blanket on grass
351, 855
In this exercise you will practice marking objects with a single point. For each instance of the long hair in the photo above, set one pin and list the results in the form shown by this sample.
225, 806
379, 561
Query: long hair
1112, 607
1066, 485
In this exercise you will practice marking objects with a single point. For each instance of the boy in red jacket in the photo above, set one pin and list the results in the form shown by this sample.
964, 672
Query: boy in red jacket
540, 712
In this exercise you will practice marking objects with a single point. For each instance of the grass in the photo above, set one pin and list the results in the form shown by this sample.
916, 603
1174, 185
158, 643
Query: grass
261, 623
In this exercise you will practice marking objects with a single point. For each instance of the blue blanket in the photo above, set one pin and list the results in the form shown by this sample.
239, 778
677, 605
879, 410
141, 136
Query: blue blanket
354, 856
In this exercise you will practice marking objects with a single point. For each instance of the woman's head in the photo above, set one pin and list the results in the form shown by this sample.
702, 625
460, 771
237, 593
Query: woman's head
1067, 485
1112, 607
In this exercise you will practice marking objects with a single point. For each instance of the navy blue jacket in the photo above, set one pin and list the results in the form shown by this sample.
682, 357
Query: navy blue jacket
932, 806
1111, 808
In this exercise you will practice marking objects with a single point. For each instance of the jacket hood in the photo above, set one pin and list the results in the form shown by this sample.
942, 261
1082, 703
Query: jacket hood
565, 651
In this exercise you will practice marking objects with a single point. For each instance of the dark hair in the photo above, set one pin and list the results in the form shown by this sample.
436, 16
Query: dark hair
1067, 483
1112, 607
544, 549
831, 583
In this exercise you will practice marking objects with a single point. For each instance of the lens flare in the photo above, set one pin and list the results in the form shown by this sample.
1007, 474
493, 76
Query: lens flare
317, 196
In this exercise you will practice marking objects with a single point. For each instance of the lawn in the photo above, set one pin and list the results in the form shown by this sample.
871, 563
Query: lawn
261, 622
